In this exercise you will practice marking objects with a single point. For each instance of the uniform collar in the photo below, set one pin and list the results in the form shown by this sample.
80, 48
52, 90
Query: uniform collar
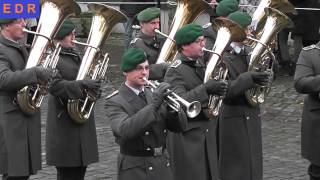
136, 91
9, 42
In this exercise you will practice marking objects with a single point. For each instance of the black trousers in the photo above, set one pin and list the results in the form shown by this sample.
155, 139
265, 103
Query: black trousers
71, 173
314, 172
6, 177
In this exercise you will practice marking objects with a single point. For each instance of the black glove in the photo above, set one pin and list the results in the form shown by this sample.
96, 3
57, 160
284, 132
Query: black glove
160, 93
260, 78
218, 87
43, 74
89, 84
96, 93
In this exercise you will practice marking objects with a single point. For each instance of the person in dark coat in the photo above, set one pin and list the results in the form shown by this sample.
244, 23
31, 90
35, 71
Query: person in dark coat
307, 80
240, 141
70, 146
20, 135
194, 151
131, 10
139, 121
150, 42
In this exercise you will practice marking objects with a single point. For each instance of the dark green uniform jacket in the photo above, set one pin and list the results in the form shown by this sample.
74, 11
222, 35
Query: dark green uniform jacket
240, 144
307, 81
152, 47
20, 145
68, 144
139, 128
193, 152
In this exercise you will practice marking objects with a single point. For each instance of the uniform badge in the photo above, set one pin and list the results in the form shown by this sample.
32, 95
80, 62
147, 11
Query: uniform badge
206, 25
176, 63
112, 94
134, 40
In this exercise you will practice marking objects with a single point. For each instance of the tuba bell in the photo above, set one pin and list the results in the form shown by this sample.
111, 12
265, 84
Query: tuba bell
227, 32
262, 57
94, 64
186, 12
53, 13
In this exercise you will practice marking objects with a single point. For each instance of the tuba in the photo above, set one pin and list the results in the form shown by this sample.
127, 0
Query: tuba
227, 32
53, 13
262, 57
259, 16
94, 64
187, 11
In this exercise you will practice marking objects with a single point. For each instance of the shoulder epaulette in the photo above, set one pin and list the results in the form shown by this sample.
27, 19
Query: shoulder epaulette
206, 25
313, 46
176, 63
112, 94
134, 40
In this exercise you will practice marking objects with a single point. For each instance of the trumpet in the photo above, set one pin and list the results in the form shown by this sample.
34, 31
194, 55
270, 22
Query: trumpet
174, 101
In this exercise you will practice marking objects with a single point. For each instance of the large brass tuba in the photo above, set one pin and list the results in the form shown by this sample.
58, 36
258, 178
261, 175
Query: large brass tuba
53, 13
262, 57
259, 16
94, 63
227, 32
187, 11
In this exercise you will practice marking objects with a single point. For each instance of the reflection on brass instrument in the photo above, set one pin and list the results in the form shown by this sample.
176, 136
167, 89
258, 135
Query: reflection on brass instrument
186, 12
94, 64
228, 32
259, 16
262, 57
175, 101
53, 13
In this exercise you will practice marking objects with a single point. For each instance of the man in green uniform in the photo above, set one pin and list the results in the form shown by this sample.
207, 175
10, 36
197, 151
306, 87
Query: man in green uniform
193, 152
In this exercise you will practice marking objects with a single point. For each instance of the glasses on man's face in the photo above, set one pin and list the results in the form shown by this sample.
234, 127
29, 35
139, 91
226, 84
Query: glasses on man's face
142, 68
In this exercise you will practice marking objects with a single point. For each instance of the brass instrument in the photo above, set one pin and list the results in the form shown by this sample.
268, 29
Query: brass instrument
94, 63
53, 13
174, 102
186, 12
262, 57
259, 16
228, 32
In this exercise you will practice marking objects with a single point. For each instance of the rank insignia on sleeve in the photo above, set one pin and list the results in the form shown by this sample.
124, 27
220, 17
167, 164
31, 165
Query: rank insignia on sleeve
206, 25
313, 46
176, 63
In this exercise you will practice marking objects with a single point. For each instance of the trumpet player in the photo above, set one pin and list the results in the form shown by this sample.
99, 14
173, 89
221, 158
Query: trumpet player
240, 147
70, 147
194, 151
20, 143
150, 42
139, 121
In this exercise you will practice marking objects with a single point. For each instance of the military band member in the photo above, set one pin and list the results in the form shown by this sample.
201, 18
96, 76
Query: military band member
240, 146
193, 152
307, 81
20, 143
70, 147
139, 121
150, 42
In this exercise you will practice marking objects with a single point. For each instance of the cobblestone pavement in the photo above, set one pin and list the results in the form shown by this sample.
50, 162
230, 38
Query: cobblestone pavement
281, 131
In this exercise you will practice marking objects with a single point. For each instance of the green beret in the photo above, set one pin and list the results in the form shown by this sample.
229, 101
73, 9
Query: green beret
148, 14
242, 18
66, 28
188, 34
226, 7
6, 21
132, 58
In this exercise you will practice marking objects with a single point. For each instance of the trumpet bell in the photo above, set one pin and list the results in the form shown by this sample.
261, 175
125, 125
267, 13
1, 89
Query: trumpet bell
193, 109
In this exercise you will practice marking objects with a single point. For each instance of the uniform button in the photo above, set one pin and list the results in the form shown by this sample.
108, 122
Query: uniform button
148, 149
146, 133
165, 131
150, 168
168, 164
247, 117
207, 130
